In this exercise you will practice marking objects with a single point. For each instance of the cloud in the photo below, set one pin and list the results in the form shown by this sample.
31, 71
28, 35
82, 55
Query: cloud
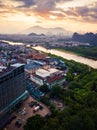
87, 13
41, 5
82, 13
27, 3
47, 9
44, 9
1, 4
40, 8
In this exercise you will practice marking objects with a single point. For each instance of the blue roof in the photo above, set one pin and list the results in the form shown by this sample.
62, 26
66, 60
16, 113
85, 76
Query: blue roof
51, 59
34, 92
32, 66
40, 62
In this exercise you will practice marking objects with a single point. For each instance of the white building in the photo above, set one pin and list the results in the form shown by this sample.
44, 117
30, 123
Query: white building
44, 73
49, 76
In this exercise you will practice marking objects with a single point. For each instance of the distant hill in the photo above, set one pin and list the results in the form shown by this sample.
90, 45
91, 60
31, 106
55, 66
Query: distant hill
34, 34
46, 31
88, 37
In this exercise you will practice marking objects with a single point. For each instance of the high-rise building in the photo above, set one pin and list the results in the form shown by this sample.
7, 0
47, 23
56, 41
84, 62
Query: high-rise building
12, 89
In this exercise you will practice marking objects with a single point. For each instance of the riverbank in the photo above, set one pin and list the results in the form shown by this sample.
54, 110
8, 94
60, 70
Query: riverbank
87, 52
68, 56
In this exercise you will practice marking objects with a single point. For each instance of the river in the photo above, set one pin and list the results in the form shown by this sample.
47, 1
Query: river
13, 43
69, 56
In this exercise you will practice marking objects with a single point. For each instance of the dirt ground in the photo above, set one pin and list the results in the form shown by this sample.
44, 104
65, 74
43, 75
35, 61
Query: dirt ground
29, 112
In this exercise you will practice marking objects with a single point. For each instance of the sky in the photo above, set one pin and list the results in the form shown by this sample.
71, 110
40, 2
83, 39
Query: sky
72, 15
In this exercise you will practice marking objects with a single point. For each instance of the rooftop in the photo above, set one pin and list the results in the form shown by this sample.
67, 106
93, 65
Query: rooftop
42, 71
32, 66
17, 65
41, 62
55, 78
5, 70
52, 70
46, 73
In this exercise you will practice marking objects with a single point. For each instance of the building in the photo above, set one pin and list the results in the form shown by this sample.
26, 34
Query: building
33, 65
31, 68
37, 55
33, 90
49, 77
12, 89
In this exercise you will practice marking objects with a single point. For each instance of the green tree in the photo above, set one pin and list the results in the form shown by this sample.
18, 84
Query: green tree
56, 91
44, 88
34, 123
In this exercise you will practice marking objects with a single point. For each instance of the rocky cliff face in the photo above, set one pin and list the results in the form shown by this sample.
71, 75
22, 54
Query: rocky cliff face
88, 37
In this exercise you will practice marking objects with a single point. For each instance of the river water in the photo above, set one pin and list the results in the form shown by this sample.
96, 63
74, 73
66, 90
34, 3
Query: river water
13, 43
69, 56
